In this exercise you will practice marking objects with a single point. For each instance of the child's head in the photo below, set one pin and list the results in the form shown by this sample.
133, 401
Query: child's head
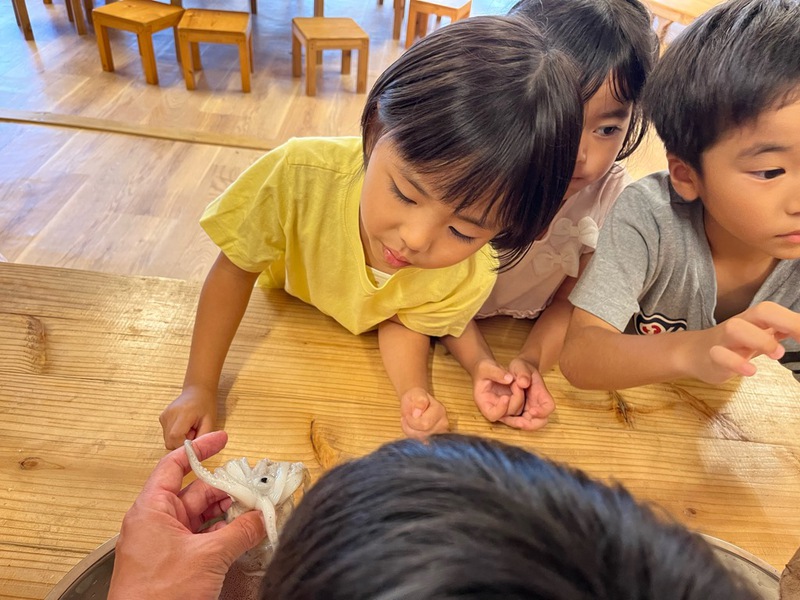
734, 63
725, 99
614, 47
463, 517
481, 117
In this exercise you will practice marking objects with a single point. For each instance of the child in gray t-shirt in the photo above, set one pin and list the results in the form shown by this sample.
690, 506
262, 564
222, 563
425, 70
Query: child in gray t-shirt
710, 251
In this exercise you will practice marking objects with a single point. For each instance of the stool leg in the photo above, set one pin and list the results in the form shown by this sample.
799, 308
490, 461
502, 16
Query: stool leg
411, 26
254, 6
296, 56
77, 12
187, 61
311, 69
104, 46
363, 63
196, 64
250, 50
70, 16
422, 24
244, 60
346, 54
148, 57
319, 8
399, 9
177, 44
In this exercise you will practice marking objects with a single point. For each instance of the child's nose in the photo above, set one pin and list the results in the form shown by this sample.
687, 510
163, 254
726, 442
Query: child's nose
417, 237
581, 158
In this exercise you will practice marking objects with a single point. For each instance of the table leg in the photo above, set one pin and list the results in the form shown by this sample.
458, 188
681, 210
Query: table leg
296, 50
319, 8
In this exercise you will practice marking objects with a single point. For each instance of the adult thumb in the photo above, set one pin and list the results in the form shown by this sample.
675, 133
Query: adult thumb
240, 535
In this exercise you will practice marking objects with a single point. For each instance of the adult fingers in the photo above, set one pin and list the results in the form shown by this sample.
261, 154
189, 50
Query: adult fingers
240, 535
170, 470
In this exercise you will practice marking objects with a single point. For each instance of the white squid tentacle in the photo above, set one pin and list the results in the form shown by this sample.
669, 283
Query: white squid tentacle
270, 518
280, 483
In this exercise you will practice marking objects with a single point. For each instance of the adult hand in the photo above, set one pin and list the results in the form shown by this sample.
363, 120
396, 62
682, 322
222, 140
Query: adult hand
190, 415
159, 554
421, 414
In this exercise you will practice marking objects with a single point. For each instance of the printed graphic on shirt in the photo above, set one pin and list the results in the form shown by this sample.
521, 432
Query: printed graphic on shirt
653, 324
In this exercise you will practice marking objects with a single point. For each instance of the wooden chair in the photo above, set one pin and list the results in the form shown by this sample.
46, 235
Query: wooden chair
142, 17
327, 33
214, 27
677, 11
420, 10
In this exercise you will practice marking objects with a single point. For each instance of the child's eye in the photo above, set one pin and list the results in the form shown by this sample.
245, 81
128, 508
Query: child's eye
464, 238
400, 196
768, 173
608, 130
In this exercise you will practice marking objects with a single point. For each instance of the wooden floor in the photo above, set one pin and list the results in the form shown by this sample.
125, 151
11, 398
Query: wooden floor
83, 195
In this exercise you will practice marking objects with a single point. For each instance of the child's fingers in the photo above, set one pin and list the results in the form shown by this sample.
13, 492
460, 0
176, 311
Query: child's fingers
496, 373
526, 422
769, 315
731, 362
521, 372
743, 335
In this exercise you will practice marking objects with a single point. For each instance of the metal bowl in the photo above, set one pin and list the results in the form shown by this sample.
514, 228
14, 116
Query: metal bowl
90, 578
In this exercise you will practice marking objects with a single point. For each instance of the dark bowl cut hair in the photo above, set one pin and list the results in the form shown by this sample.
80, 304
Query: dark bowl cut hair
463, 517
603, 37
491, 112
734, 62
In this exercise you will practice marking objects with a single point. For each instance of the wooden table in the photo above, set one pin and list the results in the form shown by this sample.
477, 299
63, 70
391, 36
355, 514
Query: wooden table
89, 360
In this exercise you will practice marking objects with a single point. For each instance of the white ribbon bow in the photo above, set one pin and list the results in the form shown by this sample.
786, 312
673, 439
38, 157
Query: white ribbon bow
586, 232
547, 259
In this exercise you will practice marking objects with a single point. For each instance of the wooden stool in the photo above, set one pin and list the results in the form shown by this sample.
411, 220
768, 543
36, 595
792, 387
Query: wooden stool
142, 17
419, 10
214, 27
327, 33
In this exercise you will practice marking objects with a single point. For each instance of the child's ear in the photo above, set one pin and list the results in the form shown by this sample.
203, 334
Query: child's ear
684, 177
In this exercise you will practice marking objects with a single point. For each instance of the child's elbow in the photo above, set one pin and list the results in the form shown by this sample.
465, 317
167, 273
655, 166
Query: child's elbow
572, 367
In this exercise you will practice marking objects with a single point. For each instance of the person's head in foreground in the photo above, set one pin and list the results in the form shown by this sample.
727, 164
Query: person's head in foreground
463, 517
725, 100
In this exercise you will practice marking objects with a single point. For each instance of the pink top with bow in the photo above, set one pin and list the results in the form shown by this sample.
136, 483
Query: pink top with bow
527, 289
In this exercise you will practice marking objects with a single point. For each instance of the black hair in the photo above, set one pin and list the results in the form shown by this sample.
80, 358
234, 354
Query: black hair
463, 517
734, 62
493, 113
605, 38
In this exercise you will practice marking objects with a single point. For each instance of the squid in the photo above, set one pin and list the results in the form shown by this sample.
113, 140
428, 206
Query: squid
268, 486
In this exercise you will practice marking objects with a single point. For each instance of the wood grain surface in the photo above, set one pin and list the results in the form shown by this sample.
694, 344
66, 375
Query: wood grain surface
89, 360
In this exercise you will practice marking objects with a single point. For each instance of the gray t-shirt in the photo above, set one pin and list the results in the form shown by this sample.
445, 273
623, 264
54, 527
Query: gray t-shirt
652, 271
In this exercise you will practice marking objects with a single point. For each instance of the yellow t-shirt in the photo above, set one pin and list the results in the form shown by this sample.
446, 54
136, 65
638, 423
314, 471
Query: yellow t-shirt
294, 217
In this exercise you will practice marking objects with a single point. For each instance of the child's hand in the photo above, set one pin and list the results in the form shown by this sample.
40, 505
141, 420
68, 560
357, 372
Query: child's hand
728, 347
537, 403
421, 414
493, 391
190, 415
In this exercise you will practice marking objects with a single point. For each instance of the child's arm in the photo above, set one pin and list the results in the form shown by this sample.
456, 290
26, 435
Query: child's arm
598, 356
405, 357
223, 301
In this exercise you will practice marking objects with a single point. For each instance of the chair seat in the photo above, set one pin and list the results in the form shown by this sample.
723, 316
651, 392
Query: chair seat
330, 29
153, 15
212, 22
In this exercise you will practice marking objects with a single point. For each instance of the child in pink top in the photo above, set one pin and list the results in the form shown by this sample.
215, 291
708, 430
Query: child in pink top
615, 48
